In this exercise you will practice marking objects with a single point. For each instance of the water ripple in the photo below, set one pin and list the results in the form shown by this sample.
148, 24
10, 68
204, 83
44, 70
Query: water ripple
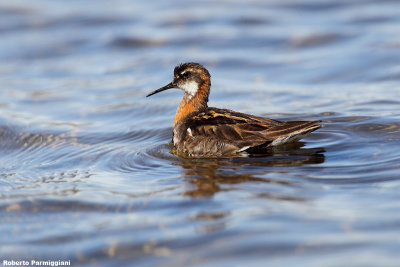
152, 158
86, 163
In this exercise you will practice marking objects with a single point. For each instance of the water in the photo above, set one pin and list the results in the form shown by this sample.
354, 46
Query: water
86, 169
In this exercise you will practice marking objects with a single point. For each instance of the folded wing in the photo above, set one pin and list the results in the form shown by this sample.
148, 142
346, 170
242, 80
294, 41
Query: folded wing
234, 131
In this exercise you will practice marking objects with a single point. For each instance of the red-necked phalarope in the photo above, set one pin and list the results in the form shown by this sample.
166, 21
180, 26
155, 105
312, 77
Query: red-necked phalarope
202, 131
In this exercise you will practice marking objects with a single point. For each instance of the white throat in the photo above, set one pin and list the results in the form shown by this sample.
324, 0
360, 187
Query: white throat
190, 87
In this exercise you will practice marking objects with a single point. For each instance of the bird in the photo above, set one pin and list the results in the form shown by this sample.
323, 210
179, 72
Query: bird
200, 131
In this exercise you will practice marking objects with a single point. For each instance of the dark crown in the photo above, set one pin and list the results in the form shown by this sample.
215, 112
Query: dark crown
191, 67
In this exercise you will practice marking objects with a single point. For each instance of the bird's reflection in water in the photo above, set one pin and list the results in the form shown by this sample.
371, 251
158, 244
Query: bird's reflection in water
207, 176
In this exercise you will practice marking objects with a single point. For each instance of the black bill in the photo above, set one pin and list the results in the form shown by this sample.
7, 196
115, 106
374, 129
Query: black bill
168, 86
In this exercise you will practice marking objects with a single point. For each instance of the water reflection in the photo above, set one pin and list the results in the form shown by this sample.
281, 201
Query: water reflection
85, 170
207, 177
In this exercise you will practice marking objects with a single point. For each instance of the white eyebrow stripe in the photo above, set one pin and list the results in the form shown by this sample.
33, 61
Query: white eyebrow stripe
189, 70
190, 132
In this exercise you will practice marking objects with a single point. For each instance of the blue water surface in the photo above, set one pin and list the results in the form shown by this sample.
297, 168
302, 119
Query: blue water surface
87, 172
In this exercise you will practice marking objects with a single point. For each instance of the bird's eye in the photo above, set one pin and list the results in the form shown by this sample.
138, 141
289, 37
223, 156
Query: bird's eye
185, 75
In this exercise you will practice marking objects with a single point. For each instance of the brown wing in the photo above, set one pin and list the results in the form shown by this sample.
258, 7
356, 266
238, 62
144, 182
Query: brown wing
245, 131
